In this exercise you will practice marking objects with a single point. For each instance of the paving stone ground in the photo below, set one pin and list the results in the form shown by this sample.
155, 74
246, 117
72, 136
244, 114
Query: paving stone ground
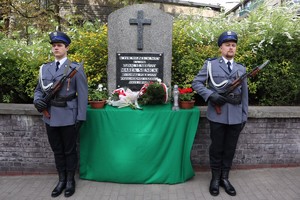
252, 184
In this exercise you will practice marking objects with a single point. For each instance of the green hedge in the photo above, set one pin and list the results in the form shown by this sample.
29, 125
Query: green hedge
264, 34
90, 46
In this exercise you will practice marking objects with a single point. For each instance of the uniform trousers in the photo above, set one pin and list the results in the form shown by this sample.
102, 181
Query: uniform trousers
224, 139
63, 142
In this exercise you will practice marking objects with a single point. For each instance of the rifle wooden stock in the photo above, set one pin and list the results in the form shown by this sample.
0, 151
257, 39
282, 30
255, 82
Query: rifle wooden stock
254, 72
239, 81
234, 85
218, 109
56, 87
46, 113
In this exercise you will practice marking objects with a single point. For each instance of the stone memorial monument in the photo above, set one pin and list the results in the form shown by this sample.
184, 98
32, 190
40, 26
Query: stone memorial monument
139, 47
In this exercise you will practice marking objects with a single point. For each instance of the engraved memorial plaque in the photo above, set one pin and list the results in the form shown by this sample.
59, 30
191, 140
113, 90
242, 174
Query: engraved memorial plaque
136, 69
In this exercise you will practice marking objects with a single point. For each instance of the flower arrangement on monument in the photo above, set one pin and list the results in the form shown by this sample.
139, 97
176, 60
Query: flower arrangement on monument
153, 93
123, 97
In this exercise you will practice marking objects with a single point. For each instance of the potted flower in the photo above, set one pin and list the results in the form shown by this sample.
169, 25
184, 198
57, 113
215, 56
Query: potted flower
98, 97
186, 98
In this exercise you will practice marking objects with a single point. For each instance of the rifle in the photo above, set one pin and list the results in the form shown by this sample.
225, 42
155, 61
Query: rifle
57, 86
239, 81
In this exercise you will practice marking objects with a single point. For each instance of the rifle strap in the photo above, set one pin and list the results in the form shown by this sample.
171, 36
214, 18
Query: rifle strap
67, 68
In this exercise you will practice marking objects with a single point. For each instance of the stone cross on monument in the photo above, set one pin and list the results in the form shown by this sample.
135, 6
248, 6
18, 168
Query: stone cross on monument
140, 21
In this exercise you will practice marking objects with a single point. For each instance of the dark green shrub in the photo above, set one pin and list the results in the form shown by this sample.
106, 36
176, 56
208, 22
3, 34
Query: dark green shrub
90, 45
19, 69
264, 34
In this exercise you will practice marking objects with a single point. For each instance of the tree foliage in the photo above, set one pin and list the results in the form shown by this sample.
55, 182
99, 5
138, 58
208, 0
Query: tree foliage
23, 18
264, 34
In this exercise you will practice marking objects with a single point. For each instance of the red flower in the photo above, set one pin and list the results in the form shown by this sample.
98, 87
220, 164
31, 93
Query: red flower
186, 94
120, 91
185, 90
144, 89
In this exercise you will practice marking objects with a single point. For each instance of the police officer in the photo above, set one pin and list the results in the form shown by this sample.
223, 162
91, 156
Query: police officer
228, 122
67, 110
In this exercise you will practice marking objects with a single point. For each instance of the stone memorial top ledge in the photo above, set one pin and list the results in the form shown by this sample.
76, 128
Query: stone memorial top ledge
267, 111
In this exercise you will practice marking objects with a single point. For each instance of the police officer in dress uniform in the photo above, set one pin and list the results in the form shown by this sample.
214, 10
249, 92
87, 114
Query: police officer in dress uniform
225, 127
67, 111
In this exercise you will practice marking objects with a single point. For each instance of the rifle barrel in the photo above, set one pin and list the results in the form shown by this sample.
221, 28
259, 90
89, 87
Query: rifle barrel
263, 65
238, 81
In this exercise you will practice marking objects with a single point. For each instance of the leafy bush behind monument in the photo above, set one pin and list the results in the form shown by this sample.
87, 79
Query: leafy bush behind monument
264, 34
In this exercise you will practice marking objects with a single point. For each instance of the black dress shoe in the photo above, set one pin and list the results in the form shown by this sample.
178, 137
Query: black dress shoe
61, 185
58, 189
215, 182
229, 189
70, 188
214, 187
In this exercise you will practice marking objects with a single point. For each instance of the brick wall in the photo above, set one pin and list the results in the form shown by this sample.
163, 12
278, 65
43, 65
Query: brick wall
24, 146
264, 142
271, 138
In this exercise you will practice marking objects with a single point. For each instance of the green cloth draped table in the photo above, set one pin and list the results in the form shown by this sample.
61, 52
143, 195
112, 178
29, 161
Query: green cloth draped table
152, 145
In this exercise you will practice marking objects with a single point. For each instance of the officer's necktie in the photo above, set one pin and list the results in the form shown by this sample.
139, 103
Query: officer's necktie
57, 64
228, 64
